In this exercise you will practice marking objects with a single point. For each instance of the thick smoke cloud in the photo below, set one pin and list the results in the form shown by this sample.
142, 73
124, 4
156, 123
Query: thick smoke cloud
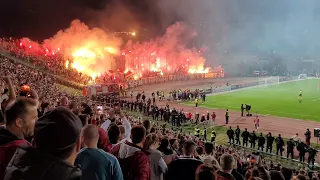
168, 53
287, 30
249, 26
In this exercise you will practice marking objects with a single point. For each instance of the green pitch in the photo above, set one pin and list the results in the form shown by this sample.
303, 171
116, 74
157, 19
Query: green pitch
277, 100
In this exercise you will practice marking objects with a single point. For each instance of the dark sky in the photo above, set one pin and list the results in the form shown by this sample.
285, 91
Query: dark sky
237, 26
40, 19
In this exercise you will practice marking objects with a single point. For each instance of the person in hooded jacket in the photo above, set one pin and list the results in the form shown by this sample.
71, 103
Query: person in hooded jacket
57, 143
20, 117
133, 159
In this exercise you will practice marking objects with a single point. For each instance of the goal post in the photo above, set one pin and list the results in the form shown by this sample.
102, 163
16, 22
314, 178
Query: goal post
268, 81
302, 76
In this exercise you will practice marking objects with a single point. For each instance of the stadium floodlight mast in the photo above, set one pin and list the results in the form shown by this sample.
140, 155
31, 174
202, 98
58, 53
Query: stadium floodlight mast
126, 33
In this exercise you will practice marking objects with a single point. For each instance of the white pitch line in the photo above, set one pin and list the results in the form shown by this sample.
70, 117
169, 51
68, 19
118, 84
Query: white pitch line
316, 99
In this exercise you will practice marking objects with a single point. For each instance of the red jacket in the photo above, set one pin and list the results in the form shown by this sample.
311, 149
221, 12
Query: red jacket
133, 160
103, 142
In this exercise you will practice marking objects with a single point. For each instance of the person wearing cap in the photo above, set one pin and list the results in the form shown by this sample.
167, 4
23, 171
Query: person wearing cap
133, 158
56, 145
96, 163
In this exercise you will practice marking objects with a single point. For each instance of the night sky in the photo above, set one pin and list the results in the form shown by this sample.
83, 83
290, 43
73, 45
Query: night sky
40, 19
237, 26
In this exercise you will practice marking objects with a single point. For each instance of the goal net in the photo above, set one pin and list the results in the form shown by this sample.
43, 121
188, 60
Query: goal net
302, 76
268, 81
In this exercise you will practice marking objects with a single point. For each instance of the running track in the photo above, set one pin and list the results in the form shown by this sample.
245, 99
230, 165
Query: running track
287, 127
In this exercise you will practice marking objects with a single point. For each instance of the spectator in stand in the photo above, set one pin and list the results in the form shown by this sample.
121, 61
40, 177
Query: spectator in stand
157, 165
64, 102
205, 172
167, 153
175, 146
57, 143
20, 117
184, 167
147, 124
133, 158
6, 94
227, 163
114, 134
125, 128
207, 157
308, 136
276, 175
96, 163
287, 173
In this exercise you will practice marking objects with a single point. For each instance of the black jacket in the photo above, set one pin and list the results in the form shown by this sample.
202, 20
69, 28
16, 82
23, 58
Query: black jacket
237, 132
279, 141
261, 140
290, 146
253, 138
183, 168
230, 133
270, 140
6, 136
30, 164
245, 135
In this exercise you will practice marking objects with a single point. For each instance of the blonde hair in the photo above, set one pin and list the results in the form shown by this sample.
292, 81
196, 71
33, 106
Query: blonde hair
150, 139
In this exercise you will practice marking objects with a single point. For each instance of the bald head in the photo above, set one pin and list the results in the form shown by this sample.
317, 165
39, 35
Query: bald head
64, 101
90, 132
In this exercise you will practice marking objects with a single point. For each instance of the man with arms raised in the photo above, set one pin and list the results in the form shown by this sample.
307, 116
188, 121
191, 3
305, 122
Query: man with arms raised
133, 159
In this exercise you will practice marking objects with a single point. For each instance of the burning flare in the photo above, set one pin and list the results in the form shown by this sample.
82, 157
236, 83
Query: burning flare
94, 52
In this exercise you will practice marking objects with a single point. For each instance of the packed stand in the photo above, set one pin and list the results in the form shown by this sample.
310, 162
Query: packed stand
113, 145
53, 63
80, 139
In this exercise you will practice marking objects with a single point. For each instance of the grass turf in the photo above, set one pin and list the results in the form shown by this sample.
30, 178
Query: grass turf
277, 100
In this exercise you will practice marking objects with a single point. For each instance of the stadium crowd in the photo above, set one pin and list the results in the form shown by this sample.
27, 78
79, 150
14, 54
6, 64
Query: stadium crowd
47, 134
53, 63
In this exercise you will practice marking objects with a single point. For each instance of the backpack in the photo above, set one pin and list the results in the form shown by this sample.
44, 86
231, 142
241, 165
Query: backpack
6, 153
